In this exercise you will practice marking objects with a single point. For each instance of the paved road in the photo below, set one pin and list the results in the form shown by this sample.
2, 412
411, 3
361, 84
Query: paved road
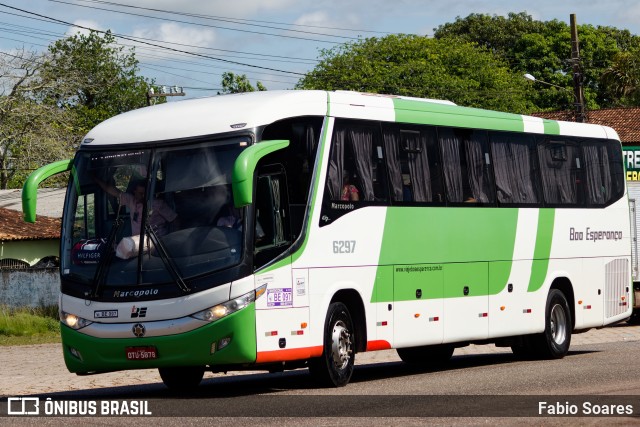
39, 369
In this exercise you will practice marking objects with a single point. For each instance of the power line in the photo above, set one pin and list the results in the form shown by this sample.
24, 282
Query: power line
202, 72
143, 64
153, 54
140, 40
234, 20
219, 27
307, 62
172, 74
146, 55
25, 30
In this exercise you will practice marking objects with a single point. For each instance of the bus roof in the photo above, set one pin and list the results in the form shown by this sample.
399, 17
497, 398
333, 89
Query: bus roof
220, 114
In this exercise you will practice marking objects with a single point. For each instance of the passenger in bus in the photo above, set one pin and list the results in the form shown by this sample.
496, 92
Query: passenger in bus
407, 194
161, 214
349, 191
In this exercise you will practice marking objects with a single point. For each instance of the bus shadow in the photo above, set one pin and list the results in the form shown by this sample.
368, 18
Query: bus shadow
239, 385
378, 371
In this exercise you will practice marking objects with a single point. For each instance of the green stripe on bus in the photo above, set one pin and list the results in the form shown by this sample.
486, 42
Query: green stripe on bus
551, 127
419, 242
428, 113
542, 250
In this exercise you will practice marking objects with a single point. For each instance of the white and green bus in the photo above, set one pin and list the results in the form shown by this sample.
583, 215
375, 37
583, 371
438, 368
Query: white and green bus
290, 229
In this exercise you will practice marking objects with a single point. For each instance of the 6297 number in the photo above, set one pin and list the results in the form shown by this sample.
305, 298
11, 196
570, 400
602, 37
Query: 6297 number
344, 246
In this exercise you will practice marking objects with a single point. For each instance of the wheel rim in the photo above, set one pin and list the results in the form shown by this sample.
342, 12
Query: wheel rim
558, 324
341, 345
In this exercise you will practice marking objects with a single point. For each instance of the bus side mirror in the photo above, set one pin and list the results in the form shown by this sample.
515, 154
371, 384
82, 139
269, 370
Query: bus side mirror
30, 188
245, 166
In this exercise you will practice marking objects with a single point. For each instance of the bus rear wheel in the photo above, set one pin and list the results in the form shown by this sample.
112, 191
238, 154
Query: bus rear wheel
554, 342
635, 317
335, 367
181, 378
426, 355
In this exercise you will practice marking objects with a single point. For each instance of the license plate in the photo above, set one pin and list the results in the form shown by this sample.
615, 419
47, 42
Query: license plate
279, 297
141, 353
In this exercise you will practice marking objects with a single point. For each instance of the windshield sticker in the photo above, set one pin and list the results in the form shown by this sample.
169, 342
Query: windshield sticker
301, 289
87, 251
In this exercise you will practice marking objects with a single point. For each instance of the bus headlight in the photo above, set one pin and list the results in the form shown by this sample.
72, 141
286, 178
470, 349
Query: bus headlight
73, 321
219, 311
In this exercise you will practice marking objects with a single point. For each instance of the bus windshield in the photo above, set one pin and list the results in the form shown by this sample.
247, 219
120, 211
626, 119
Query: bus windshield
152, 216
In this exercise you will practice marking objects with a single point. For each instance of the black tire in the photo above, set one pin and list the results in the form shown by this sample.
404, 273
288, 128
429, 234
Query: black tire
428, 355
635, 317
554, 342
335, 367
520, 351
182, 378
525, 349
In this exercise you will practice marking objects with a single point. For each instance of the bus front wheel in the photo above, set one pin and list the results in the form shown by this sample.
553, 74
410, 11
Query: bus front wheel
181, 378
335, 367
554, 342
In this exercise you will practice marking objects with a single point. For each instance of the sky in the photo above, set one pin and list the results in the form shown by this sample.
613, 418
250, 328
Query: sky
190, 43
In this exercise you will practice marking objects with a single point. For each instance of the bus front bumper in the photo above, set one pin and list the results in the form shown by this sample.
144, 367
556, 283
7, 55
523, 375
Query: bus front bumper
228, 341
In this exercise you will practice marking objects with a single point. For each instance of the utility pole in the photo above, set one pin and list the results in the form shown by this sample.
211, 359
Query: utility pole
577, 73
164, 91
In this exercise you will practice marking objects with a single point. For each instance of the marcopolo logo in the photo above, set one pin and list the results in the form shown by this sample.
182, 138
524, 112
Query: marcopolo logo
135, 294
30, 406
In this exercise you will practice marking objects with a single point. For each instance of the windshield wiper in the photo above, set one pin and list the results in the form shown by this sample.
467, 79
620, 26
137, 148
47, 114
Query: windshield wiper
166, 259
105, 262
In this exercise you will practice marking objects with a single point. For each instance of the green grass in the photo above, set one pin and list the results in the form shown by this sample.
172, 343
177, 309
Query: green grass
29, 325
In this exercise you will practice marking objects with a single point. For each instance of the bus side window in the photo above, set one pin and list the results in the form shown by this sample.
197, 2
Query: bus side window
272, 232
467, 173
356, 157
298, 160
413, 164
515, 168
561, 168
603, 172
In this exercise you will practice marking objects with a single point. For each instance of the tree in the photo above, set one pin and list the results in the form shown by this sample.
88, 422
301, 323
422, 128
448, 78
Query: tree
32, 133
95, 78
543, 49
422, 67
49, 101
622, 78
232, 83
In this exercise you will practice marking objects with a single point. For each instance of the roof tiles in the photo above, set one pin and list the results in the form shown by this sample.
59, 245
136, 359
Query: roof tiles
626, 121
13, 227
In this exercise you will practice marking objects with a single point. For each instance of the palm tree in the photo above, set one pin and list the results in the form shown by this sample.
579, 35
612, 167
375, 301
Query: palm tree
622, 78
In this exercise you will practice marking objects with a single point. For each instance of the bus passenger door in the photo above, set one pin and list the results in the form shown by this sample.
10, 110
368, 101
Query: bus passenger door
282, 314
466, 301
